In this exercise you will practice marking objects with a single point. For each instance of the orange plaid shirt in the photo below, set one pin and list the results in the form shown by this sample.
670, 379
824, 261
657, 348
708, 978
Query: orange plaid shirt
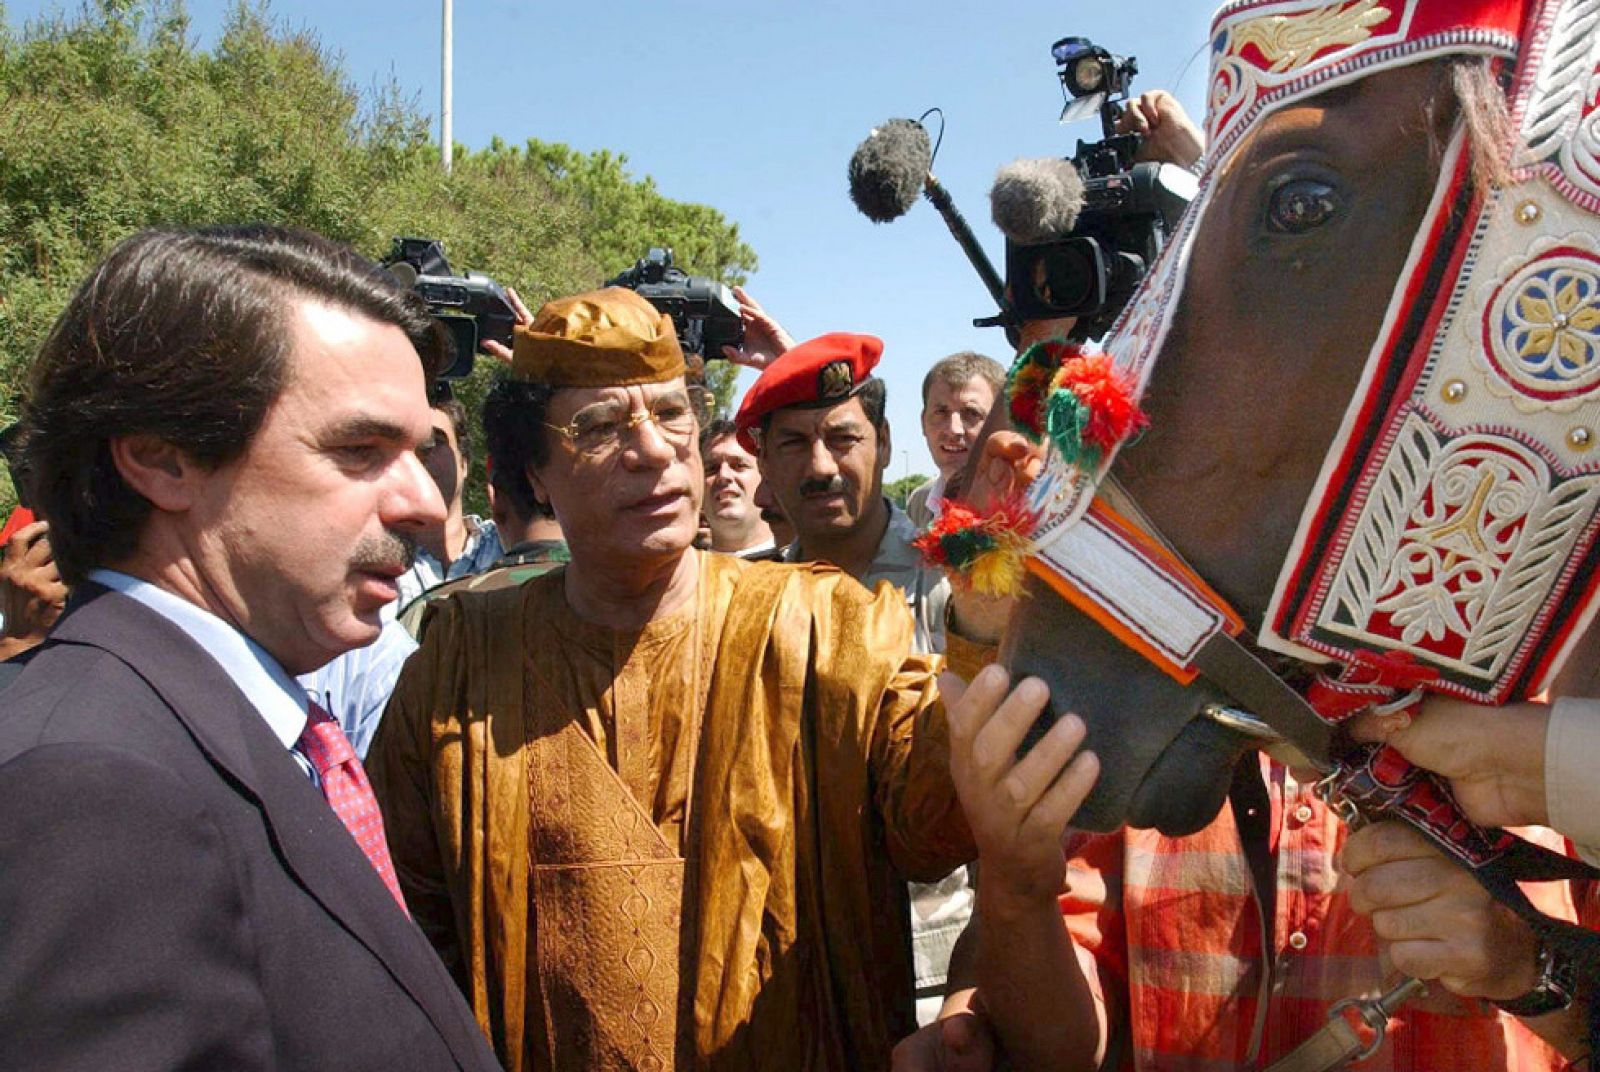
1170, 937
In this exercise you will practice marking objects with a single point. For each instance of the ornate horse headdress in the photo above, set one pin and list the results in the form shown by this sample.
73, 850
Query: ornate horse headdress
1449, 541
1451, 533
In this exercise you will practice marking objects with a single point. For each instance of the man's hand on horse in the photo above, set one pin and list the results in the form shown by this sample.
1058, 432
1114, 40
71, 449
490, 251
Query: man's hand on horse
1018, 809
1493, 756
1005, 464
1434, 920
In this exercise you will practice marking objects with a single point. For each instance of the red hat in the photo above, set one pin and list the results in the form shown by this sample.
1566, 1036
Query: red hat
822, 372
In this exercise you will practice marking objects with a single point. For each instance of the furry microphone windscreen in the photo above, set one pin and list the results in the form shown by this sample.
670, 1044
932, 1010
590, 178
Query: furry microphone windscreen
889, 168
1034, 201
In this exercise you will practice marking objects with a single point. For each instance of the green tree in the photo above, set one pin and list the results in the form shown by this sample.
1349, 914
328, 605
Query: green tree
113, 120
899, 490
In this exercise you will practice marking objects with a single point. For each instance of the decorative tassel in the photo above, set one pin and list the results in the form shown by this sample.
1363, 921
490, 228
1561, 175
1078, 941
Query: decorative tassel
984, 552
1090, 410
1028, 384
1079, 401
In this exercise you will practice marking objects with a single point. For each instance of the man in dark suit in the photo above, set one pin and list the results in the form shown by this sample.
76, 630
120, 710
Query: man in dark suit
193, 872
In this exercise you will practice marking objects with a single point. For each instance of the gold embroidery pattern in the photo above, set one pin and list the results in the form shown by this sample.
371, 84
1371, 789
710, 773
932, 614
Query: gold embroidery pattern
1289, 42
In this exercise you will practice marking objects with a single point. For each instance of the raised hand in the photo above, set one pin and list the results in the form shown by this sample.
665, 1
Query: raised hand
500, 351
764, 337
32, 594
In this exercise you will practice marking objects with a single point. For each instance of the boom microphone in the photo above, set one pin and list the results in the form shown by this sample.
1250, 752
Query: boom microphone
889, 168
1036, 201
887, 172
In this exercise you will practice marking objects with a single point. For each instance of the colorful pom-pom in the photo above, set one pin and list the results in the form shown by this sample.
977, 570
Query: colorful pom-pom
1029, 383
985, 552
1090, 410
1079, 401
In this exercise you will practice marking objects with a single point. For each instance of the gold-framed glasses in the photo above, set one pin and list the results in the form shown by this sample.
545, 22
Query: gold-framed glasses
598, 429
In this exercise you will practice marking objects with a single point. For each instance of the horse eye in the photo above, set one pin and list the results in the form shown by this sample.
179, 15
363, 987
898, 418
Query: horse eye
1301, 205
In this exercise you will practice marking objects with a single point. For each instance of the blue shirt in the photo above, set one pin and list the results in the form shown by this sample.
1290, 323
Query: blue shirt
481, 551
355, 687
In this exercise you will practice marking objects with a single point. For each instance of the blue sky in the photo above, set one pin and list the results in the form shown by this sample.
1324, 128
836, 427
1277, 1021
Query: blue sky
755, 109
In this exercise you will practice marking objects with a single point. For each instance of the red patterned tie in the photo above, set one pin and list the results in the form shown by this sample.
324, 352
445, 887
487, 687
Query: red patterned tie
349, 793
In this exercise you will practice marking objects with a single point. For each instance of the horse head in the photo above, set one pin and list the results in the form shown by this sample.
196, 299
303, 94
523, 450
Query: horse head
1264, 320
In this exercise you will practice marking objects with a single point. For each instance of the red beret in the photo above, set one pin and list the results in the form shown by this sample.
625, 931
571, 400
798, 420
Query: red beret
821, 372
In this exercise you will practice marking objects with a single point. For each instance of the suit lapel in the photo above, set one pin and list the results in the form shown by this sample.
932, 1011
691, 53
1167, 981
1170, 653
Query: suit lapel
314, 843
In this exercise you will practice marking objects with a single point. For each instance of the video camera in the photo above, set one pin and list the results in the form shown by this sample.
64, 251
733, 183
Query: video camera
704, 311
1129, 209
472, 308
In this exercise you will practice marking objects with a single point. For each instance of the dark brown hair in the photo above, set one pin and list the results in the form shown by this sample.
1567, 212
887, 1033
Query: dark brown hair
184, 335
513, 437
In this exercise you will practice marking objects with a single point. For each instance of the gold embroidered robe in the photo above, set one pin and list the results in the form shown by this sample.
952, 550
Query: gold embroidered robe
683, 848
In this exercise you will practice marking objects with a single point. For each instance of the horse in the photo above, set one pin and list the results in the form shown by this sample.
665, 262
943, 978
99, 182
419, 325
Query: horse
1310, 227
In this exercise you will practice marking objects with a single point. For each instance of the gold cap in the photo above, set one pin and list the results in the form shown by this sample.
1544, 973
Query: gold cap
603, 338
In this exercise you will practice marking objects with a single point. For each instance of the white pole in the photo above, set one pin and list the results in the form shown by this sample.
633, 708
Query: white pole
446, 142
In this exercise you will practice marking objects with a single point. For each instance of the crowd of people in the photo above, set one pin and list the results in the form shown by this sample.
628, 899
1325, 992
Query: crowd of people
685, 758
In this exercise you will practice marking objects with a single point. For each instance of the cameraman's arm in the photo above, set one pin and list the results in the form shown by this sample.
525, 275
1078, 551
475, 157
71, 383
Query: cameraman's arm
500, 351
764, 337
1170, 136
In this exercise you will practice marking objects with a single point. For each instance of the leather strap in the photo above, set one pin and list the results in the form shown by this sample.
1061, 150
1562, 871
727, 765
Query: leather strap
1335, 1044
1338, 1043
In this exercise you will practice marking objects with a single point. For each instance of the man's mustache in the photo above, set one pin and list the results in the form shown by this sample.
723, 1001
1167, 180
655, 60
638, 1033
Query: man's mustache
832, 485
391, 551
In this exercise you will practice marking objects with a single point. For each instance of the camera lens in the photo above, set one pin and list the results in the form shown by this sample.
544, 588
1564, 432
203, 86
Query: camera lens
1074, 277
1088, 75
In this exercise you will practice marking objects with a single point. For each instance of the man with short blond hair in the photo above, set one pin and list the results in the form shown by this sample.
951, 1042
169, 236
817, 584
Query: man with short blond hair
957, 394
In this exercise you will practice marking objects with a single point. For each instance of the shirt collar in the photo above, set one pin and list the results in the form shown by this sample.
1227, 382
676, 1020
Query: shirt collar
266, 684
894, 550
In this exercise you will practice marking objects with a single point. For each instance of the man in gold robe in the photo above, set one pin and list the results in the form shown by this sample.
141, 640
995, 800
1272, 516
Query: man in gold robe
656, 809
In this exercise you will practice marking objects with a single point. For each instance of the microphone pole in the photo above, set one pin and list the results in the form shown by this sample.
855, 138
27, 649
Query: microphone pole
935, 192
964, 237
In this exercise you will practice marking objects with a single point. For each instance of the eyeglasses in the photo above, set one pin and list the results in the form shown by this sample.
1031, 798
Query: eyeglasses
598, 429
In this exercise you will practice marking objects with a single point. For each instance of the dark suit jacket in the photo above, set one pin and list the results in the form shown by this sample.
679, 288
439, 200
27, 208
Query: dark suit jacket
175, 893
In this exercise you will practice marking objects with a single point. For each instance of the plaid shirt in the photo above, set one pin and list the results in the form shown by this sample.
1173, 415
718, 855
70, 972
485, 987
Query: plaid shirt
1171, 940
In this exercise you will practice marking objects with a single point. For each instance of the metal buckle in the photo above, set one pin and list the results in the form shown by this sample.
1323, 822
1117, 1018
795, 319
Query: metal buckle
1375, 1012
1343, 807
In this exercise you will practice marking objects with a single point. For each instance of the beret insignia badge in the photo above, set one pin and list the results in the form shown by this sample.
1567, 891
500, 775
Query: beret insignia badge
834, 380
